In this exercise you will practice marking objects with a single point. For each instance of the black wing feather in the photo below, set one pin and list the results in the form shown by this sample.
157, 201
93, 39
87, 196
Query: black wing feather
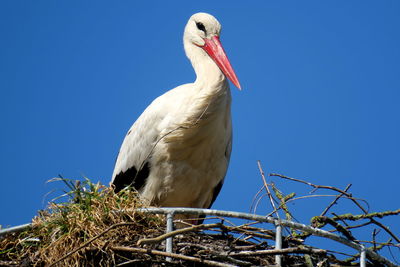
216, 191
132, 177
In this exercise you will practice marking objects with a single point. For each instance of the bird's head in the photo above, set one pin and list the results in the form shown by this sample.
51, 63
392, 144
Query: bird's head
201, 39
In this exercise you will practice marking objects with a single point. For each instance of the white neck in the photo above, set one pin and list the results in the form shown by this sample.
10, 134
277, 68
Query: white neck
209, 75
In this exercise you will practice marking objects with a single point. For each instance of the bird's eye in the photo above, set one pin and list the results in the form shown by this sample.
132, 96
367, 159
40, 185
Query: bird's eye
201, 27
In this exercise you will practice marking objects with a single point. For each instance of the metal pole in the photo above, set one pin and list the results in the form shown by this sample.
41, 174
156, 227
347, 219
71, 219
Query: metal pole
14, 229
170, 228
363, 255
278, 243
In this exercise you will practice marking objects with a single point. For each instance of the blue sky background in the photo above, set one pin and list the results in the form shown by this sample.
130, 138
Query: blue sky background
320, 98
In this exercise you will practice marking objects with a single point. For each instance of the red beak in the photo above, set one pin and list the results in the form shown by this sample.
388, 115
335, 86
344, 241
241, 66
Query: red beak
215, 50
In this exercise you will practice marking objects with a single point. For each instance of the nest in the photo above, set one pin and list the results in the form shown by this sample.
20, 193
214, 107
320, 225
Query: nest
97, 227
137, 239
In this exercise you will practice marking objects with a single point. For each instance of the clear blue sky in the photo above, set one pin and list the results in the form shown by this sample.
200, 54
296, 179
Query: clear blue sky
320, 99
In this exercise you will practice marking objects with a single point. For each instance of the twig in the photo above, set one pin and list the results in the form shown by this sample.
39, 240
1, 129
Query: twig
386, 229
340, 219
283, 199
371, 217
377, 245
233, 260
261, 230
320, 221
9, 263
188, 244
129, 263
267, 188
254, 246
393, 256
251, 233
279, 251
344, 193
224, 257
335, 201
358, 225
388, 243
304, 197
352, 217
339, 253
256, 199
374, 233
161, 238
172, 255
322, 187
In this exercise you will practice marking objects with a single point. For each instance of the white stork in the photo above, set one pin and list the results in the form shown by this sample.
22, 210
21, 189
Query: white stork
177, 152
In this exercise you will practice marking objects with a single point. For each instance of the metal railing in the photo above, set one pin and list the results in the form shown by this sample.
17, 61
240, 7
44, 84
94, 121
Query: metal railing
278, 223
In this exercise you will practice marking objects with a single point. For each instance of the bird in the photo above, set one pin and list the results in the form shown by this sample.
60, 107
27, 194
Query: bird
177, 152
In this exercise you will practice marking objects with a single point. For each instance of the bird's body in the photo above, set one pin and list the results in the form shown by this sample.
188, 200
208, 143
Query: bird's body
177, 152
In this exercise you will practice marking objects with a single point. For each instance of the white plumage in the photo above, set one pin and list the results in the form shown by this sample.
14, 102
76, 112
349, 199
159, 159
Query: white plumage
177, 152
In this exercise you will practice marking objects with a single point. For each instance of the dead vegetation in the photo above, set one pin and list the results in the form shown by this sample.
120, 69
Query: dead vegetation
63, 227
95, 227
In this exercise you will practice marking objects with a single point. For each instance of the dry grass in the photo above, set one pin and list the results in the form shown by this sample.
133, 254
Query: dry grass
66, 226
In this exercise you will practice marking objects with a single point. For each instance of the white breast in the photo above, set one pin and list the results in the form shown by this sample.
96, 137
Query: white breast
192, 153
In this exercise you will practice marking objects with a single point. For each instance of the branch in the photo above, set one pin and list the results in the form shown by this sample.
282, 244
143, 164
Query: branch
269, 235
371, 217
322, 187
352, 217
321, 221
335, 201
161, 238
344, 193
172, 255
300, 250
284, 199
267, 188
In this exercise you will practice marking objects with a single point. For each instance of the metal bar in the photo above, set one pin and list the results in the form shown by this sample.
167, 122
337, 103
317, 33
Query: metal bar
278, 243
363, 257
170, 228
248, 216
18, 228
